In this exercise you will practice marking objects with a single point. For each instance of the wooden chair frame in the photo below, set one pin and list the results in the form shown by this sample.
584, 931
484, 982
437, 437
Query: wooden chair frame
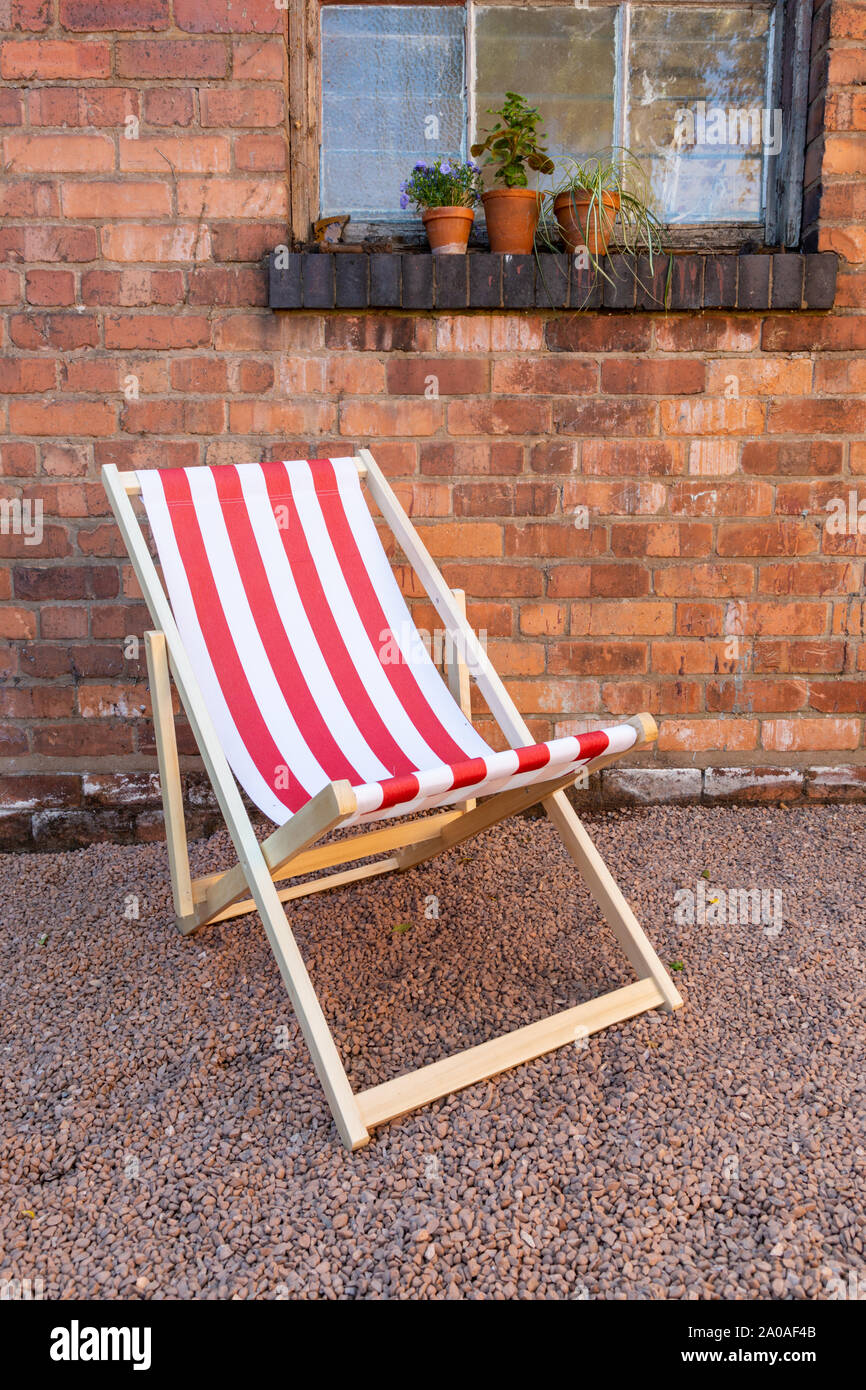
289, 851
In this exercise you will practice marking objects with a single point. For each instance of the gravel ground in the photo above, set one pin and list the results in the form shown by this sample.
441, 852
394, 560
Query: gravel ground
164, 1135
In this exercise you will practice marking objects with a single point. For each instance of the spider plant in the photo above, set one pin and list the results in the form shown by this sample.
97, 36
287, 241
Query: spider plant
596, 199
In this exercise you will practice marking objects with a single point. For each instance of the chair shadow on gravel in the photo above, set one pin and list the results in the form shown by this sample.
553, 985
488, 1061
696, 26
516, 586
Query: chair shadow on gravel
483, 940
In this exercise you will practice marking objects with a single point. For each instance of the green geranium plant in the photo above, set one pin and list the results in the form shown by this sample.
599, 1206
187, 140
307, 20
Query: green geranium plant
515, 142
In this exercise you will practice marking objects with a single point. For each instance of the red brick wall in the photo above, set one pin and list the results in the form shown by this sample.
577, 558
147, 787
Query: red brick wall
135, 265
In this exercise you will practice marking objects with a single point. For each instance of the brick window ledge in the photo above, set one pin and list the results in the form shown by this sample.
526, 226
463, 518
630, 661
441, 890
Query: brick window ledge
482, 280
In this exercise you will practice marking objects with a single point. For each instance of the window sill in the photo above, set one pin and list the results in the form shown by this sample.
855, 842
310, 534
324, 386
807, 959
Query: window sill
482, 280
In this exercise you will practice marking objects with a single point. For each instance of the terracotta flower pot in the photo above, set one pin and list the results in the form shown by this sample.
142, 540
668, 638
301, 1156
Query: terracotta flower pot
579, 226
512, 217
448, 229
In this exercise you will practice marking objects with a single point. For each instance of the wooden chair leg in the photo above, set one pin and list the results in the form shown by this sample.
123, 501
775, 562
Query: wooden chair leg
169, 776
614, 908
314, 1026
416, 1088
323, 812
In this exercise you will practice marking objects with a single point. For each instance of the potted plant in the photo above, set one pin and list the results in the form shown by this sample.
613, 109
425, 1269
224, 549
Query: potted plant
445, 192
593, 193
512, 209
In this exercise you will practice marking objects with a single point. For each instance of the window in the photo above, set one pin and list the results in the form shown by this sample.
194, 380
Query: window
693, 89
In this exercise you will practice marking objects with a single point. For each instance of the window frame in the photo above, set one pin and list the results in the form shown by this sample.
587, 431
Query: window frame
782, 222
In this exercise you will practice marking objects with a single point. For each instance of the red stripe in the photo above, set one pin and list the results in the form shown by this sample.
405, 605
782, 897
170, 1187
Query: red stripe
532, 757
277, 645
327, 632
217, 635
474, 770
366, 600
592, 745
464, 774
468, 773
396, 790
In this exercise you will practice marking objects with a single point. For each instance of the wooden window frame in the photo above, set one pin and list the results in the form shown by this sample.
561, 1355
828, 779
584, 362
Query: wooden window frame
782, 223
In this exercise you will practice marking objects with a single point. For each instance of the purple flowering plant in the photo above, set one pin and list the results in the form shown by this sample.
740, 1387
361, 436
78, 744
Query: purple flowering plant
444, 183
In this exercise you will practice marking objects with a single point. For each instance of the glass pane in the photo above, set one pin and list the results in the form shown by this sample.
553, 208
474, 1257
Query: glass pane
561, 59
393, 92
696, 109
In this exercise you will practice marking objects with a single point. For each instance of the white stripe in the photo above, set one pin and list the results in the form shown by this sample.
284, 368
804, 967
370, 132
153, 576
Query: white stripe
183, 607
378, 566
501, 774
435, 778
280, 722
314, 668
361, 651
564, 751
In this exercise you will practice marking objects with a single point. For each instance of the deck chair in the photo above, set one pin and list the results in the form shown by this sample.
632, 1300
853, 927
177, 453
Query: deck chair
307, 685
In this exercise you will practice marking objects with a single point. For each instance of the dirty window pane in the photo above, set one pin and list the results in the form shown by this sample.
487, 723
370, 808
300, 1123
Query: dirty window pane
393, 92
684, 86
562, 59
696, 109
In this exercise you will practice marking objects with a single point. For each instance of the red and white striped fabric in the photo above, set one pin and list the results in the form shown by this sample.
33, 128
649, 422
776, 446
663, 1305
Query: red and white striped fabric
308, 660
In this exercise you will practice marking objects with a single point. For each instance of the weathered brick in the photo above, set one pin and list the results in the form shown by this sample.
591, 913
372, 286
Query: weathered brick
63, 417
554, 539
753, 282
806, 456
707, 333
39, 791
608, 333
615, 417
24, 375
261, 153
807, 734
157, 331
131, 288
650, 458
764, 784
498, 417
566, 376
484, 286
46, 59
846, 783
622, 376
93, 15
708, 735
488, 459
168, 58
650, 786
712, 416
766, 376
174, 417
437, 376
129, 198
767, 537
82, 106
367, 419
228, 16
451, 282
597, 658
817, 417
10, 287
